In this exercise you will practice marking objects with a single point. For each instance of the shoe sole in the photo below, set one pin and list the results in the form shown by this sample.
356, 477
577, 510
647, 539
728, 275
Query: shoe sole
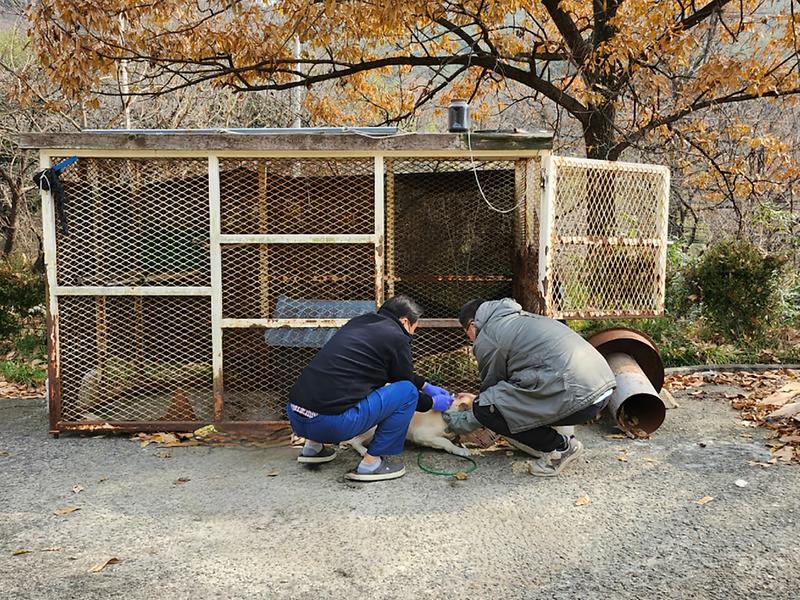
354, 476
561, 466
315, 460
525, 448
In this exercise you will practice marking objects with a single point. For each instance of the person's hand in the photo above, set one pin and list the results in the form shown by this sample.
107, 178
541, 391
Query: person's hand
442, 402
433, 390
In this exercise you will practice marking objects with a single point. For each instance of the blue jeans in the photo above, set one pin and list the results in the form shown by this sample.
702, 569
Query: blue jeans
390, 408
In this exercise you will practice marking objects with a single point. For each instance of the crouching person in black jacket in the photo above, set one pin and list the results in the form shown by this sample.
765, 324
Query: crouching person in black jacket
343, 392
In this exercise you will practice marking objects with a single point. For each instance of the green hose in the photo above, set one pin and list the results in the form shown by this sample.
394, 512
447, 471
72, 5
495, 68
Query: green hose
472, 467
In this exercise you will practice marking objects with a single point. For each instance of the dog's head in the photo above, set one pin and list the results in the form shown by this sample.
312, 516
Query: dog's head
462, 402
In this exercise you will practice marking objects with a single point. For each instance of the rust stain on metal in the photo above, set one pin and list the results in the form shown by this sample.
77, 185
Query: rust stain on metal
53, 372
637, 345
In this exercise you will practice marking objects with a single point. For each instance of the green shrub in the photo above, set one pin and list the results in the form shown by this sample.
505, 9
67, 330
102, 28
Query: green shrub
736, 285
21, 295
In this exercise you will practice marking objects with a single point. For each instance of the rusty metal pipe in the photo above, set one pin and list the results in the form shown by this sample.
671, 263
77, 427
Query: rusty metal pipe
635, 404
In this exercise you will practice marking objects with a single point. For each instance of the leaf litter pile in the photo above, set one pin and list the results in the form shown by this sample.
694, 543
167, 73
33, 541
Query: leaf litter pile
210, 436
768, 399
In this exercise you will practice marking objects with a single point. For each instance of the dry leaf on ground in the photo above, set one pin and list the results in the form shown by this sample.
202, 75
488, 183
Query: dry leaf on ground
77, 489
705, 500
582, 501
100, 566
66, 510
182, 480
784, 454
788, 410
783, 395
20, 552
274, 473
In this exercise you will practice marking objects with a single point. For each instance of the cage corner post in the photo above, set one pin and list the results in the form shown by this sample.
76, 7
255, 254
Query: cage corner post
53, 348
215, 256
546, 235
379, 230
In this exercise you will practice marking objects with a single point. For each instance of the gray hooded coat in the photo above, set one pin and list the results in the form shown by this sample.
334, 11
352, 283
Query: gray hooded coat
535, 370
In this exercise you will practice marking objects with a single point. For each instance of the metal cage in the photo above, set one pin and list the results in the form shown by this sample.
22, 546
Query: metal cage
191, 286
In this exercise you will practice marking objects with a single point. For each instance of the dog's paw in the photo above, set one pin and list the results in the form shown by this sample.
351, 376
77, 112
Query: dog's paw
464, 452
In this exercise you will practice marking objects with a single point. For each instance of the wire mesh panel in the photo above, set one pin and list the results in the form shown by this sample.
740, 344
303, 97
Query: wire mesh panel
297, 196
443, 356
134, 222
135, 358
607, 239
445, 244
288, 280
258, 375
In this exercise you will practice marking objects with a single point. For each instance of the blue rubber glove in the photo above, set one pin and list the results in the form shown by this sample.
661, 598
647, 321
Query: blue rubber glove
434, 391
442, 402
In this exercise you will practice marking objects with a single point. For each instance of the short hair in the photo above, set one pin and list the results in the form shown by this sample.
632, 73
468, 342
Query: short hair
468, 312
403, 306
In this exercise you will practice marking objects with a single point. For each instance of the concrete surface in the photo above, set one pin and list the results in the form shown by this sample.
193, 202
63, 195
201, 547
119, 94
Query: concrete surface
233, 531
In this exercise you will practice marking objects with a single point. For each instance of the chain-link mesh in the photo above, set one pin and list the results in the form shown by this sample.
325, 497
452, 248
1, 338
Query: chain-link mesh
443, 356
290, 280
608, 239
135, 222
304, 196
258, 374
445, 245
135, 358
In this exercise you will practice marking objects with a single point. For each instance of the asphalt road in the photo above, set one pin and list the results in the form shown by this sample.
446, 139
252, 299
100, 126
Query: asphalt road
252, 522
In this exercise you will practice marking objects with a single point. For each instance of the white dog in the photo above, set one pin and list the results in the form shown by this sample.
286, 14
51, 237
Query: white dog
426, 429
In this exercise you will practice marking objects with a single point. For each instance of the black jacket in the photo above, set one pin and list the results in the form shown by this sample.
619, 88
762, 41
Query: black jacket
368, 352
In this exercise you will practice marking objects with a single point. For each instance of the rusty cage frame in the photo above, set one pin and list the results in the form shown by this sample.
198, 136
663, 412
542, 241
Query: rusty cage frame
201, 270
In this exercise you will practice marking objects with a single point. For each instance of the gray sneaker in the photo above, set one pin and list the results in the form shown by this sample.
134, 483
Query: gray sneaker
327, 454
553, 463
525, 448
387, 470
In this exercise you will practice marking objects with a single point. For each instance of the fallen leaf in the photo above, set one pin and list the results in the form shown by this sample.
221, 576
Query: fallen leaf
76, 489
705, 500
789, 410
740, 483
650, 460
181, 480
21, 551
66, 510
782, 396
755, 463
461, 476
163, 454
3, 452
616, 436
274, 473
622, 458
203, 431
53, 549
582, 501
784, 454
102, 479
100, 566
790, 439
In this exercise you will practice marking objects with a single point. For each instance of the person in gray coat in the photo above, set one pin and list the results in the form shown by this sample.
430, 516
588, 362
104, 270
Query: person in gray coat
536, 374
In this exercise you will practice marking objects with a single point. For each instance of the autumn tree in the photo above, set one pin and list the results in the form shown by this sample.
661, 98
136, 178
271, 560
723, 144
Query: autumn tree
623, 69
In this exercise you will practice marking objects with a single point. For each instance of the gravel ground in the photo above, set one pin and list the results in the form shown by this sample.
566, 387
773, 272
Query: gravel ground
234, 531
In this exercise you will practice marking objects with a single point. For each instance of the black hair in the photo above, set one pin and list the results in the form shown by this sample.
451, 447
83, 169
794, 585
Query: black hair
468, 312
403, 306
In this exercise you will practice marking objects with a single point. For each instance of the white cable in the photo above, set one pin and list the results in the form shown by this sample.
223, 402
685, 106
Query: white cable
480, 189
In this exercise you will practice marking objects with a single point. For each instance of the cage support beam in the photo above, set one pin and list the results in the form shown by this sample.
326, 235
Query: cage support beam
216, 284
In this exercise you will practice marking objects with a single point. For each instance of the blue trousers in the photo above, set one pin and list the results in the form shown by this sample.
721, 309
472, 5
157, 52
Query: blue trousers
390, 408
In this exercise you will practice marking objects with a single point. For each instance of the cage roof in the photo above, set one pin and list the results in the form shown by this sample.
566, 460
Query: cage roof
339, 139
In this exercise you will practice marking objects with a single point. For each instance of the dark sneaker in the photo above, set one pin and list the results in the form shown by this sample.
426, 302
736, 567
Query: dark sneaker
554, 462
327, 454
387, 470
